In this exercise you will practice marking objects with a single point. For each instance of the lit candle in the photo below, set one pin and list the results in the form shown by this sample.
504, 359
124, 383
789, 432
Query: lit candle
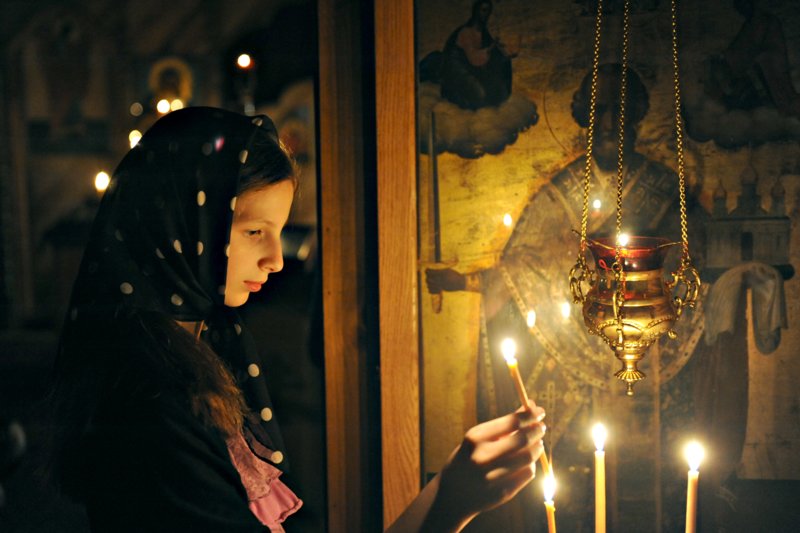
509, 349
549, 486
101, 181
599, 435
694, 455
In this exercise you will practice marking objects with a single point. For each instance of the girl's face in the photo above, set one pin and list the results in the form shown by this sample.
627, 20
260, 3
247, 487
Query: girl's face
255, 247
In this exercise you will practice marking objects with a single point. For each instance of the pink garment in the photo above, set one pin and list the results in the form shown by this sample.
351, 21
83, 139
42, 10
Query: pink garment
270, 500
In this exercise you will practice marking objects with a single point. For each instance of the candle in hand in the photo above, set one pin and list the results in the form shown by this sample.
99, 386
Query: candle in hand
549, 485
599, 435
694, 455
509, 349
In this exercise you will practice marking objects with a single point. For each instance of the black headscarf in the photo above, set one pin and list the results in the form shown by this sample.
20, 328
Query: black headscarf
159, 245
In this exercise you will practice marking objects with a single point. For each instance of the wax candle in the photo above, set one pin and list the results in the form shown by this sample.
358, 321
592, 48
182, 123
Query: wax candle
599, 435
509, 349
549, 486
694, 455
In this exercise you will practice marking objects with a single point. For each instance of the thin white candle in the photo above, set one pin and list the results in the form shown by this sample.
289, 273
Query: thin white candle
694, 456
599, 434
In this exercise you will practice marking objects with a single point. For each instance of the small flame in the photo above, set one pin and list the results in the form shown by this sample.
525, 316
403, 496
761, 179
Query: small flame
531, 319
101, 181
565, 309
134, 136
623, 239
244, 61
507, 221
597, 204
694, 453
599, 434
163, 106
509, 349
549, 487
176, 104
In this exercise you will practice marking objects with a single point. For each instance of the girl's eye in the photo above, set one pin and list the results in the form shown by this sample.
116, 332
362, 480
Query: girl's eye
253, 232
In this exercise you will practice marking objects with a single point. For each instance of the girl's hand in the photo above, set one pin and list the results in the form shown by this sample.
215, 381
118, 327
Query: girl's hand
492, 464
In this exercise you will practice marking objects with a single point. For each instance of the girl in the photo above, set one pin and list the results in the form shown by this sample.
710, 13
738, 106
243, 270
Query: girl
163, 419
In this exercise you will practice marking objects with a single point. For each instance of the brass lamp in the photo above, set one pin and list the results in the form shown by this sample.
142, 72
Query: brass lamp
629, 304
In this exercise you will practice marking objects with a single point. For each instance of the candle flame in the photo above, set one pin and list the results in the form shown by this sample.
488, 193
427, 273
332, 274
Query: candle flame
597, 204
549, 487
599, 434
565, 309
507, 220
101, 181
134, 136
531, 318
244, 61
623, 239
509, 349
694, 453
162, 106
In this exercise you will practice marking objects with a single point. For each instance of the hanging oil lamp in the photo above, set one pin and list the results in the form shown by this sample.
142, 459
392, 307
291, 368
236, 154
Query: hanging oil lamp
629, 304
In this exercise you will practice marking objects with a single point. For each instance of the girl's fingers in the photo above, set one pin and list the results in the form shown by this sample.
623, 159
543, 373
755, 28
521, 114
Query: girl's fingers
522, 459
498, 427
486, 453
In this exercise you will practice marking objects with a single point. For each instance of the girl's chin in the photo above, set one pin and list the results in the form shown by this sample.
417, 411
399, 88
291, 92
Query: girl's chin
237, 299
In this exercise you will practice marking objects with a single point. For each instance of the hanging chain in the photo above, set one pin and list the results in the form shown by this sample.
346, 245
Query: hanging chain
686, 274
685, 259
619, 274
580, 272
623, 95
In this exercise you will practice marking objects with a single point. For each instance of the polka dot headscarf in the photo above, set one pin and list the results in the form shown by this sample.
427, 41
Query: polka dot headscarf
159, 243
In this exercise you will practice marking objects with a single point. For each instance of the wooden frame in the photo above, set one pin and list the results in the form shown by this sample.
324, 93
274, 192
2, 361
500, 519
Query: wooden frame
397, 253
344, 143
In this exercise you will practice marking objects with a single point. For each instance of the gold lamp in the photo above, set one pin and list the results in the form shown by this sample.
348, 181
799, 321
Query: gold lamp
629, 304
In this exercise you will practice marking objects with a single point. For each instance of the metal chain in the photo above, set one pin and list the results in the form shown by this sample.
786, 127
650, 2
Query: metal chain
685, 258
580, 273
623, 93
590, 132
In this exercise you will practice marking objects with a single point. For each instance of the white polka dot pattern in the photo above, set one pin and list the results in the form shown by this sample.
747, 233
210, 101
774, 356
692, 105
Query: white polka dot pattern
266, 414
253, 370
126, 288
201, 198
176, 300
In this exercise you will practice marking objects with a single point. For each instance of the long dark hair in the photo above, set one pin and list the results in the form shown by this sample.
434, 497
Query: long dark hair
136, 355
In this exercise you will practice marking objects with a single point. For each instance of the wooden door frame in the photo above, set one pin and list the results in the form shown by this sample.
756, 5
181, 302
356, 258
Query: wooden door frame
344, 147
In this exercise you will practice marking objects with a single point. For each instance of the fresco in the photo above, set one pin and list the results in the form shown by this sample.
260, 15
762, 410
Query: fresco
502, 114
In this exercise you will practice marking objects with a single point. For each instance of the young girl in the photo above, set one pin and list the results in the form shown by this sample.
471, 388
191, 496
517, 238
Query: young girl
163, 419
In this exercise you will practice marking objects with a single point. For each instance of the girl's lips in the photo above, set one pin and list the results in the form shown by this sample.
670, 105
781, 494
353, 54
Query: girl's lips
253, 286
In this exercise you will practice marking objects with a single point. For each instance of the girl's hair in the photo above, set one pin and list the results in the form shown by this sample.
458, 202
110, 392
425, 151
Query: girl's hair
268, 162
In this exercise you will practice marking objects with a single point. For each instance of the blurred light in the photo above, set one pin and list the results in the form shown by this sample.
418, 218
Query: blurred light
101, 181
596, 204
565, 309
623, 239
176, 104
549, 486
694, 453
599, 435
509, 349
244, 61
507, 220
163, 106
136, 109
531, 318
134, 136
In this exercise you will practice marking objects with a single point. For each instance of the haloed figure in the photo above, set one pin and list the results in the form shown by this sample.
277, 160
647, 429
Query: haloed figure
161, 415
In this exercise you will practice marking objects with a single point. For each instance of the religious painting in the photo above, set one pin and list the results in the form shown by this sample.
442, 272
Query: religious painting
504, 96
